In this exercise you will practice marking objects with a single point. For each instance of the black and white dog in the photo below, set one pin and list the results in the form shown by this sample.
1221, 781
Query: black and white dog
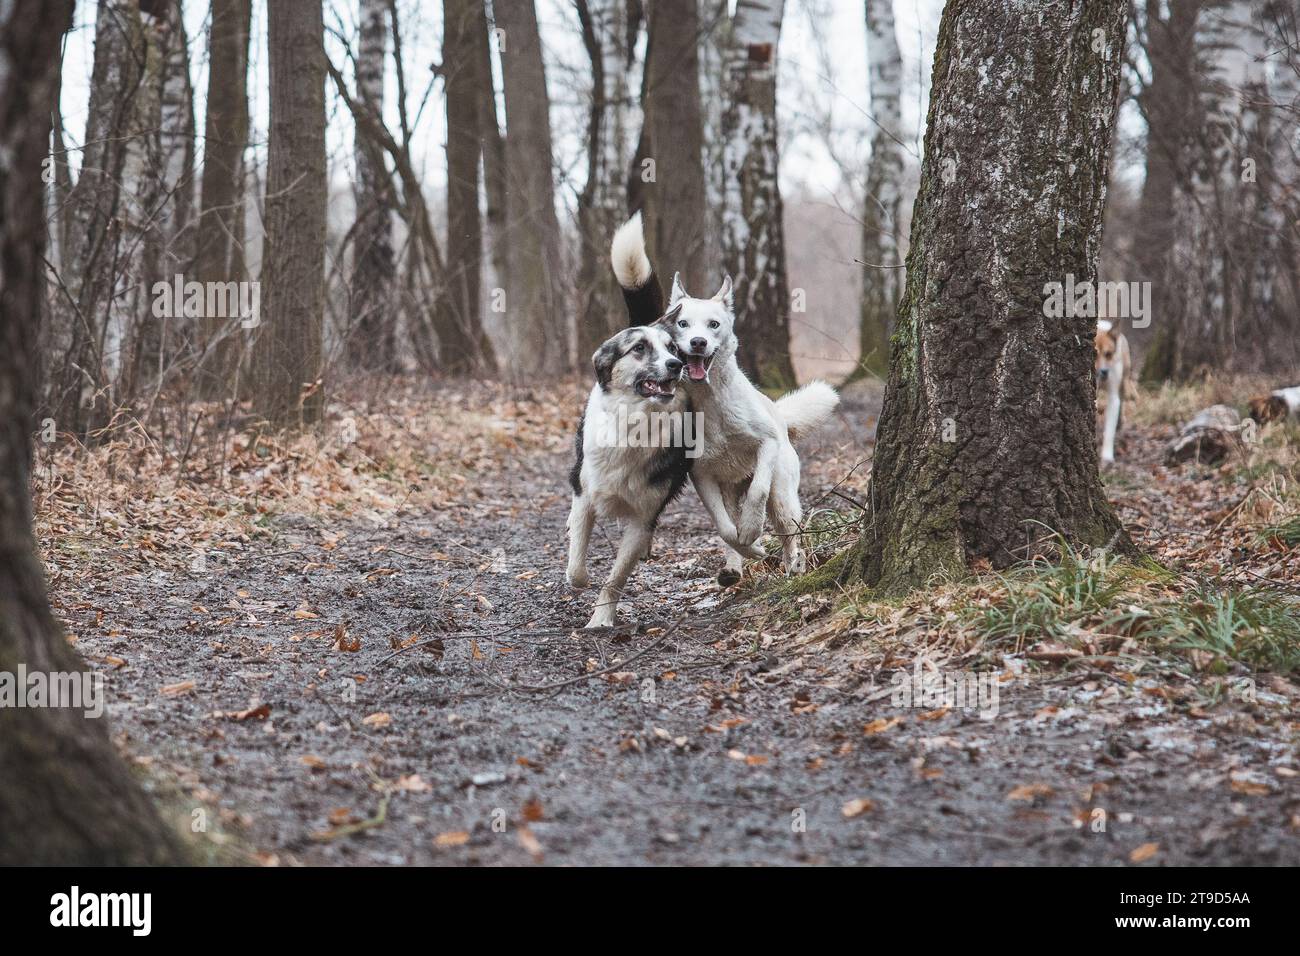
746, 469
638, 373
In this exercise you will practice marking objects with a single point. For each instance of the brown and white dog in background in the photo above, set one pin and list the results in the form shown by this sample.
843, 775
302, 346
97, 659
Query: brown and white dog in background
1276, 405
1115, 377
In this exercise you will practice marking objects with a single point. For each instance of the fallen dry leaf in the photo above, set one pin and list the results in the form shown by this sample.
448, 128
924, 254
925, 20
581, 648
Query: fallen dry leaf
855, 808
1145, 852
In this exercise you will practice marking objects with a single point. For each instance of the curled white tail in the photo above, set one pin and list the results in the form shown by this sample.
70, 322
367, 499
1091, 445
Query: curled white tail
627, 255
806, 408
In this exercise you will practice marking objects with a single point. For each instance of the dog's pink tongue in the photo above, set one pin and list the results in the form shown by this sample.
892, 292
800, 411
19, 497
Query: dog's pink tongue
696, 370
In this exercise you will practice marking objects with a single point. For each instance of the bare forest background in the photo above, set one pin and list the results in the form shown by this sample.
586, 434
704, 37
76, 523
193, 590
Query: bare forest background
468, 165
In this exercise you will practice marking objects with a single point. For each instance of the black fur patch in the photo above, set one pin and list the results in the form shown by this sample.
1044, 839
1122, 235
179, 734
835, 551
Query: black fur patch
575, 473
604, 360
670, 466
644, 303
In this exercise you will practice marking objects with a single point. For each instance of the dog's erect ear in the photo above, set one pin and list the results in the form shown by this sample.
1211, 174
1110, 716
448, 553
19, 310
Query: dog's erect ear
679, 290
604, 360
669, 318
724, 295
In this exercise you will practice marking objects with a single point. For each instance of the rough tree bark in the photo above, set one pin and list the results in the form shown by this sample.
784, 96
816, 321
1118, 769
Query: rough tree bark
610, 144
219, 256
83, 344
371, 331
534, 281
462, 345
287, 387
882, 277
67, 798
673, 202
986, 441
753, 235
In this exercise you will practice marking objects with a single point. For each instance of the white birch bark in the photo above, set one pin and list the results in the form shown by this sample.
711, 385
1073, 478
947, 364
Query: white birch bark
882, 279
753, 238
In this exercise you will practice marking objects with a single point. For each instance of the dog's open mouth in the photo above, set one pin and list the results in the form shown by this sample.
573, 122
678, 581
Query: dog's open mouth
649, 388
697, 367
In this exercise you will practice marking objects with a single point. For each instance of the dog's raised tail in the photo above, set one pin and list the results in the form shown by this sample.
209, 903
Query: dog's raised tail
806, 408
641, 289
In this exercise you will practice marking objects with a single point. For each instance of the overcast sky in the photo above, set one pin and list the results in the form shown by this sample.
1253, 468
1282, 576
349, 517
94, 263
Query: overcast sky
822, 53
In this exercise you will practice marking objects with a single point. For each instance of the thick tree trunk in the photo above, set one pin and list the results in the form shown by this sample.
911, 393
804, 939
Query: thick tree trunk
534, 281
1168, 103
287, 386
882, 275
66, 799
85, 339
985, 447
671, 190
371, 332
220, 253
462, 346
753, 236
610, 144
143, 201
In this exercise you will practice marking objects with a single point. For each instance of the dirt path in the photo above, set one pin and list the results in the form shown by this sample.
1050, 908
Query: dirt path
704, 742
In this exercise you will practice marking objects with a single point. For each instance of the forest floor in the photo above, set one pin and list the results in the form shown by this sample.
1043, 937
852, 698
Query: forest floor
359, 648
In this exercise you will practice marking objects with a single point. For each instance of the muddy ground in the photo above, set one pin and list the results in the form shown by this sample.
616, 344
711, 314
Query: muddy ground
501, 734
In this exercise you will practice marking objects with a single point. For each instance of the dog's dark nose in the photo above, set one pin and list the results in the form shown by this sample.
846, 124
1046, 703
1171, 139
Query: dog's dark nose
699, 345
1102, 373
673, 366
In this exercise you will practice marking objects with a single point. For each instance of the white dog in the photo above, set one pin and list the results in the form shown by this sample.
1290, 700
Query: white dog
617, 474
1114, 365
747, 468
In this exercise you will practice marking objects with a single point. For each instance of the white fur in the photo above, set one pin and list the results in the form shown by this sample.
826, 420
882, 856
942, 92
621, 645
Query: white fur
1117, 382
1291, 396
806, 408
615, 476
748, 470
627, 254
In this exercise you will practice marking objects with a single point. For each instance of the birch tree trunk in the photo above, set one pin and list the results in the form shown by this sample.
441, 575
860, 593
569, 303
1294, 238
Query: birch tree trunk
671, 190
67, 798
85, 339
462, 345
534, 281
371, 332
1282, 27
986, 444
1169, 104
882, 275
610, 145
219, 256
1223, 261
753, 235
715, 38
287, 387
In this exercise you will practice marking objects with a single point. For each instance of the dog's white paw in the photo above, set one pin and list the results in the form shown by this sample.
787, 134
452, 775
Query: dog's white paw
796, 565
577, 577
603, 615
